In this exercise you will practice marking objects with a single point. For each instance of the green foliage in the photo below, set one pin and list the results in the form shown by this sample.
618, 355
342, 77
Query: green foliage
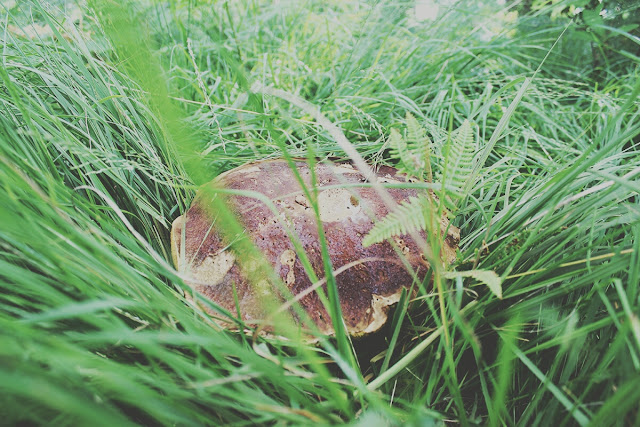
489, 278
413, 151
608, 29
415, 160
94, 326
411, 215
458, 161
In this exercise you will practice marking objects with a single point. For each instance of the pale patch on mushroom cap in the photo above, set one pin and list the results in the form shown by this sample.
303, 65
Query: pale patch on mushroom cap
288, 258
380, 305
338, 204
214, 268
366, 290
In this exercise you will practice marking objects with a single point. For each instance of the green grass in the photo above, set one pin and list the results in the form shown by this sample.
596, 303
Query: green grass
108, 125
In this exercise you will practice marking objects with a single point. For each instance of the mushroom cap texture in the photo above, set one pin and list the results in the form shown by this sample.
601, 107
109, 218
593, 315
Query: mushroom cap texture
366, 290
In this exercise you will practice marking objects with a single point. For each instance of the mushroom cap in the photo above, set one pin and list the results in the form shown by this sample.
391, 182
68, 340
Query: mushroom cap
366, 289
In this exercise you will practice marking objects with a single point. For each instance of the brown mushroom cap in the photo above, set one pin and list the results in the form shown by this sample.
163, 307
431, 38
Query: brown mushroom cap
366, 290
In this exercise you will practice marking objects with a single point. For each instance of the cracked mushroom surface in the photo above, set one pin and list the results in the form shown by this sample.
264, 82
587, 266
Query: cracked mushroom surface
366, 289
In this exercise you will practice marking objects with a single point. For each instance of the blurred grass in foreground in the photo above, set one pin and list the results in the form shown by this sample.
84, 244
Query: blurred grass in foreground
94, 326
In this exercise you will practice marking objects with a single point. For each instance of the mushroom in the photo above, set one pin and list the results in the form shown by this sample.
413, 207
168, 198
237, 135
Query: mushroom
370, 280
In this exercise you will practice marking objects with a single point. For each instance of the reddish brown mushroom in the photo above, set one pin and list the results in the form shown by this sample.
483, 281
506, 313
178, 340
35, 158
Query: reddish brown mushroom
366, 289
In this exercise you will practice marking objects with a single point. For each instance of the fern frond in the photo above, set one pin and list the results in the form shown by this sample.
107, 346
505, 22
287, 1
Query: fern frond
409, 216
438, 134
459, 160
413, 152
400, 151
419, 146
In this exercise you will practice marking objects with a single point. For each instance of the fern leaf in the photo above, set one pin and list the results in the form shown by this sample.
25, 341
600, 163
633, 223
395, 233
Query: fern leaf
400, 151
488, 277
408, 216
412, 151
419, 146
438, 134
459, 160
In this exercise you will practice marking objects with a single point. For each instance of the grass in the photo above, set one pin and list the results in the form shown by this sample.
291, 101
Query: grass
107, 126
